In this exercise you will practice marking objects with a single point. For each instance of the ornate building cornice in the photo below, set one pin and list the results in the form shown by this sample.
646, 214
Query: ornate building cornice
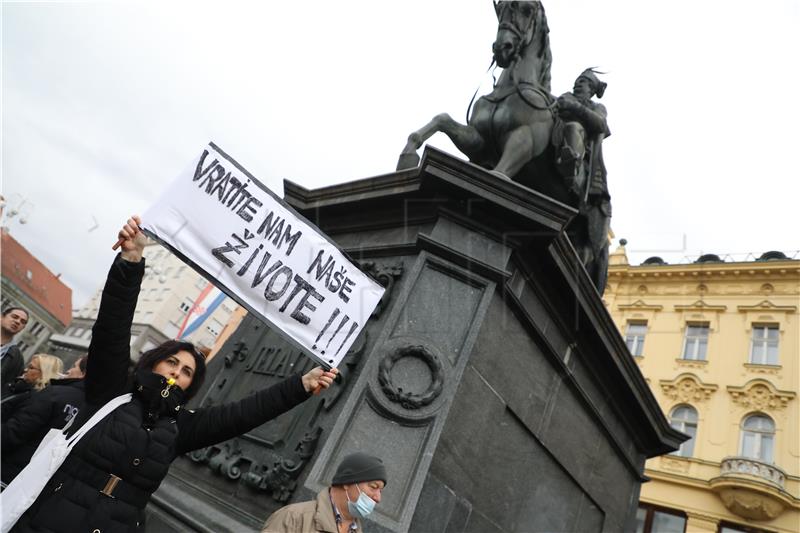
735, 270
687, 388
760, 394
639, 305
701, 307
767, 306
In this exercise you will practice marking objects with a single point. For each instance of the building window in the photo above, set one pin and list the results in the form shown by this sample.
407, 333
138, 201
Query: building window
695, 343
684, 419
758, 438
37, 328
634, 337
186, 305
651, 519
214, 327
764, 346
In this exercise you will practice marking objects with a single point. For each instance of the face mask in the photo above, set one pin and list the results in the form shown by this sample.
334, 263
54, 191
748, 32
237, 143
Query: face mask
363, 505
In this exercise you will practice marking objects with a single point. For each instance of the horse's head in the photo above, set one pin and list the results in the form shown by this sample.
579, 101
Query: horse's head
515, 29
522, 25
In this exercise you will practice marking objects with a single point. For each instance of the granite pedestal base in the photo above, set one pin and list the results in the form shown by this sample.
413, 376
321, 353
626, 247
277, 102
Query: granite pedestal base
491, 379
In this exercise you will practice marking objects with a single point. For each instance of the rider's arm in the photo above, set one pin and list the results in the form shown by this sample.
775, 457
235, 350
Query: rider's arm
593, 119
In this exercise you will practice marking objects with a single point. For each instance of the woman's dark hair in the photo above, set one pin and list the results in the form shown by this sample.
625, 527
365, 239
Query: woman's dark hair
152, 357
82, 363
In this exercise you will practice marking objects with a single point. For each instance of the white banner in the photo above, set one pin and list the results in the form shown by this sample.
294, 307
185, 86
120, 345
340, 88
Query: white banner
225, 224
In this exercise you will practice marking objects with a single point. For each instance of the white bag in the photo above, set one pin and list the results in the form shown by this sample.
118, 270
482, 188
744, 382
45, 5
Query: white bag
52, 451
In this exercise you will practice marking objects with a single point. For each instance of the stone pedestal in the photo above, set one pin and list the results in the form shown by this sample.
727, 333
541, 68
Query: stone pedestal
491, 379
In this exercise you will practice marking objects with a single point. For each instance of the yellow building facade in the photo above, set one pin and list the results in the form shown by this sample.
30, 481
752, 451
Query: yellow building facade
719, 344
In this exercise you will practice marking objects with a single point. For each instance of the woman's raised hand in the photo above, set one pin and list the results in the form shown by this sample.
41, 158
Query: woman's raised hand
317, 379
131, 240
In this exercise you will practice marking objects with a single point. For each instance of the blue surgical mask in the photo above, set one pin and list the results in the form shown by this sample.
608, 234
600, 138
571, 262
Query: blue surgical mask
363, 506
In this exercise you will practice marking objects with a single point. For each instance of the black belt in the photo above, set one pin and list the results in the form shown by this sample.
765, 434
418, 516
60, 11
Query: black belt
111, 486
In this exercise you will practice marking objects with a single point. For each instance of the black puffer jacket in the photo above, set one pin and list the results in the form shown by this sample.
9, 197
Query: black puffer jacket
19, 394
128, 445
11, 368
51, 408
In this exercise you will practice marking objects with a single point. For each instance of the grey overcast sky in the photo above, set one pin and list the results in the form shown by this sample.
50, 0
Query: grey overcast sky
104, 102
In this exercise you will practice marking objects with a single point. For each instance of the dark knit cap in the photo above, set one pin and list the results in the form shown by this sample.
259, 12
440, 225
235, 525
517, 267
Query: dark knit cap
358, 467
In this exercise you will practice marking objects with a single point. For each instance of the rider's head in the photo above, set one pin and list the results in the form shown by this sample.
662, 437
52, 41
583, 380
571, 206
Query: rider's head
588, 84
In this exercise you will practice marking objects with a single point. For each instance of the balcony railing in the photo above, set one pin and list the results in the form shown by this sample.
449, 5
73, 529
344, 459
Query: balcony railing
751, 467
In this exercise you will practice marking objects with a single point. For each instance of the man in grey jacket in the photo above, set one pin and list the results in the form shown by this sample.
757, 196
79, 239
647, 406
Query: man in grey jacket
355, 490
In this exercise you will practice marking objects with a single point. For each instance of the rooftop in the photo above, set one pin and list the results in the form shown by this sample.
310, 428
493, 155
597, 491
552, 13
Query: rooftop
27, 273
619, 257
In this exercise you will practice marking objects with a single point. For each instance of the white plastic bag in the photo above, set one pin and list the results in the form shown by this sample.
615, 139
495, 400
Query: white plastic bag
48, 457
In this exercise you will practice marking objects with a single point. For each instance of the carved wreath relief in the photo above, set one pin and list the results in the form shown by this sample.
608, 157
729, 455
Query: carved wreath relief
406, 399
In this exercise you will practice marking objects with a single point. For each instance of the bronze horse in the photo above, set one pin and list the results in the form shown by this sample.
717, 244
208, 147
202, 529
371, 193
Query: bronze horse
510, 127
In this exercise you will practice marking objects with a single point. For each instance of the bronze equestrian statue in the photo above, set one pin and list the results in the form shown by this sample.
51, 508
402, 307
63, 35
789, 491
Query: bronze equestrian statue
520, 131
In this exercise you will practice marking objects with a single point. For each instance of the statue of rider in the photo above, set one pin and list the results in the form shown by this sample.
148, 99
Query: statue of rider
578, 137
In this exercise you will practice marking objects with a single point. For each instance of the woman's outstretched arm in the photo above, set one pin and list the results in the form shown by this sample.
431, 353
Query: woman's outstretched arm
109, 349
215, 424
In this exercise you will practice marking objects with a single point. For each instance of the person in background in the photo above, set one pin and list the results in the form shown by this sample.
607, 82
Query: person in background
355, 490
78, 368
107, 479
13, 321
41, 369
53, 407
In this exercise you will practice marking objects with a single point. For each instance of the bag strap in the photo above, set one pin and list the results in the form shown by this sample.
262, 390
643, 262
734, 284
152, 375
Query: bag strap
97, 417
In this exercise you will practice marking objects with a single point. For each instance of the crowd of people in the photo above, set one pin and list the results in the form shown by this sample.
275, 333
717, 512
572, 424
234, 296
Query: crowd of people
107, 478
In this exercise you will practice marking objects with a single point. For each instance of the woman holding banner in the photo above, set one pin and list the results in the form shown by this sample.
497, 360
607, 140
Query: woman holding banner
107, 479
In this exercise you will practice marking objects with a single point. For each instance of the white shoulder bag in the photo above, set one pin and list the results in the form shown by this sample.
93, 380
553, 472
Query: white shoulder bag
48, 457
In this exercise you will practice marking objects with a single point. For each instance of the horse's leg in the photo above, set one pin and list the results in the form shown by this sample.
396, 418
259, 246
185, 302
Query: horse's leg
409, 157
466, 138
522, 145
